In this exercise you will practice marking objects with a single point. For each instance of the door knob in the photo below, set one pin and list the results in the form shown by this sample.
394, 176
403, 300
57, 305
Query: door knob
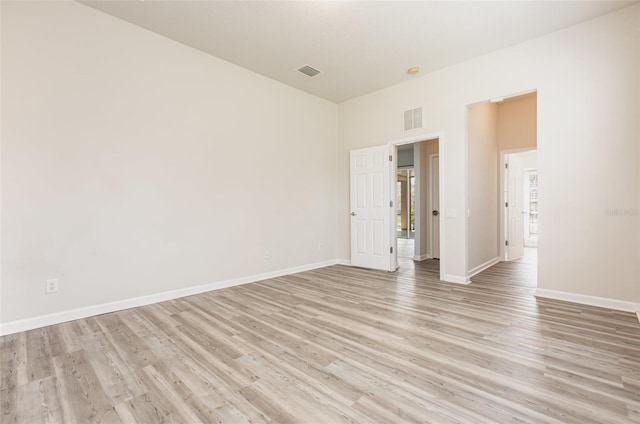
353, 214
435, 213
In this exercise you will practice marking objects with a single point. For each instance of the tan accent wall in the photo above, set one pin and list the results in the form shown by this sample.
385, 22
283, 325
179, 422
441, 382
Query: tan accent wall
517, 123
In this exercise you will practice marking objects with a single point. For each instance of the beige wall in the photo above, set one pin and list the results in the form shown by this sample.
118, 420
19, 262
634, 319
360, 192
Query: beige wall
587, 82
517, 120
133, 165
482, 134
116, 176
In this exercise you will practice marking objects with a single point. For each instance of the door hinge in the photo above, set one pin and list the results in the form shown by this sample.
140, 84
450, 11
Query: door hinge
506, 242
390, 203
390, 158
506, 204
391, 249
506, 165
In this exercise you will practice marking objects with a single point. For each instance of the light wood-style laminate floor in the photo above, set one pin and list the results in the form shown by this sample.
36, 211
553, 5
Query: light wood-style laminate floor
334, 345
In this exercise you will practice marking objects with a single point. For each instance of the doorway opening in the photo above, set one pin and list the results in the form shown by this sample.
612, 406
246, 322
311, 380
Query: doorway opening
416, 194
520, 212
405, 203
502, 184
373, 182
531, 206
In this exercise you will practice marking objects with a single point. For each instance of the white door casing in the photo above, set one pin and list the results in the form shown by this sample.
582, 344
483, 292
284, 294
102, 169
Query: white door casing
515, 208
370, 205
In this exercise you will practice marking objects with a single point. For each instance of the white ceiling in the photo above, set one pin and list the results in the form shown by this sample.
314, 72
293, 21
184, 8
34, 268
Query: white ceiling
360, 46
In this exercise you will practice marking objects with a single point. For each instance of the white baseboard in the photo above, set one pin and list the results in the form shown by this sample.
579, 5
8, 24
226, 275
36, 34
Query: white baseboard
346, 262
421, 257
482, 267
456, 279
603, 302
88, 311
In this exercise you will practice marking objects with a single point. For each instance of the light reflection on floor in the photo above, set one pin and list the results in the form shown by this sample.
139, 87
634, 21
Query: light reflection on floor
530, 256
405, 253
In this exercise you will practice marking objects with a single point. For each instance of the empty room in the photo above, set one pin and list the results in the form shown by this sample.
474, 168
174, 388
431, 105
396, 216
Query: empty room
319, 211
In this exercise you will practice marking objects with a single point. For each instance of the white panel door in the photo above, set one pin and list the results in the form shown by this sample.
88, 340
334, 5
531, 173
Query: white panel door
435, 207
370, 210
515, 208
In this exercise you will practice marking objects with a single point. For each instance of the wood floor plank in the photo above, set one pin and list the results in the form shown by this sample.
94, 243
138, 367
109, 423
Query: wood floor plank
332, 345
80, 393
39, 355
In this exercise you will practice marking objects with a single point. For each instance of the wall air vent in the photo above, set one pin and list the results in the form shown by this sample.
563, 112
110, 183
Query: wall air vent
412, 119
309, 71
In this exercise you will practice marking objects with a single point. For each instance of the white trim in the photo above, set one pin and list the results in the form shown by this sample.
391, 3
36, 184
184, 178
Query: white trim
456, 279
422, 257
602, 302
393, 238
104, 308
345, 262
415, 138
482, 267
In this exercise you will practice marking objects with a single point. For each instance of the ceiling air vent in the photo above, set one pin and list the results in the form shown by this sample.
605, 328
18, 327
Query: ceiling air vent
412, 119
309, 71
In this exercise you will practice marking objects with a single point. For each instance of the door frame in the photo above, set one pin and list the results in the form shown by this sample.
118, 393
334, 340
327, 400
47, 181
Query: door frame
393, 144
502, 216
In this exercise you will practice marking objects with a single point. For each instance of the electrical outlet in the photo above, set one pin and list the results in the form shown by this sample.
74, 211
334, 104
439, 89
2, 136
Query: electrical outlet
267, 254
51, 286
320, 246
